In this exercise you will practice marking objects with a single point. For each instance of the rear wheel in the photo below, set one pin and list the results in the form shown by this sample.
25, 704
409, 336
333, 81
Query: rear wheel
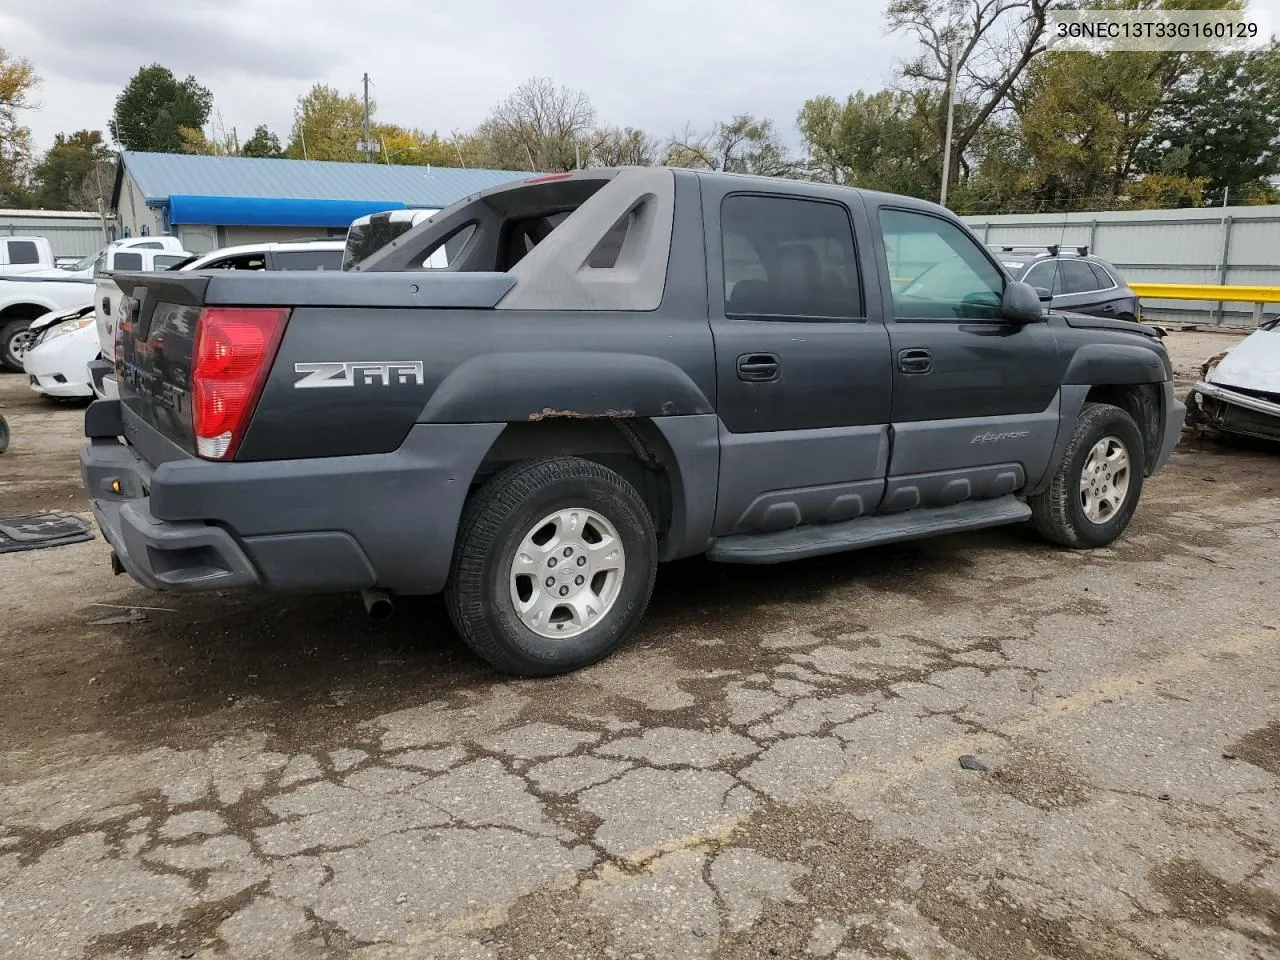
553, 567
15, 339
1096, 489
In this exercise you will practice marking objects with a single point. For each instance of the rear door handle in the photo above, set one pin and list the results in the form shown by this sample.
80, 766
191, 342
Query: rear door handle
759, 367
1109, 308
915, 360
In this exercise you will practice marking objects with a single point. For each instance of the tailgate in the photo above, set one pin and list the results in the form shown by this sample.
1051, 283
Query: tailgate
156, 339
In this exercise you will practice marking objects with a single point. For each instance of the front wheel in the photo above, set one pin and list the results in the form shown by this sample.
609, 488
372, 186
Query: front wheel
553, 567
15, 340
1096, 489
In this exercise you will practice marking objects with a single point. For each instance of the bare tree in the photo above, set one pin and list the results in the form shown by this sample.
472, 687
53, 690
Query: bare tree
539, 127
619, 147
991, 41
741, 145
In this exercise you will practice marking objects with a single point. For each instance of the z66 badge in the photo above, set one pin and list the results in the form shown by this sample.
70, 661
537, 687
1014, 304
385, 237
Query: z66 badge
358, 373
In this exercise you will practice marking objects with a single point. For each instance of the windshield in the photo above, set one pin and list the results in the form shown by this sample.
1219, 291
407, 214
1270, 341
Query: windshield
86, 263
364, 239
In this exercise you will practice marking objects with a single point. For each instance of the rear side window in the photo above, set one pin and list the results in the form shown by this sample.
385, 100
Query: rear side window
308, 259
787, 257
127, 261
1104, 279
1077, 277
23, 252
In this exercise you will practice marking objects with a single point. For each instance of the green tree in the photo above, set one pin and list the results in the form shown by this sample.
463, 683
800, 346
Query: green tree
327, 125
154, 107
75, 171
263, 143
17, 82
1220, 123
881, 141
414, 147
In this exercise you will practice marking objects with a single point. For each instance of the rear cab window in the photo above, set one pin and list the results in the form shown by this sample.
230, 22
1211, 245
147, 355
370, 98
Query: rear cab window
23, 252
788, 257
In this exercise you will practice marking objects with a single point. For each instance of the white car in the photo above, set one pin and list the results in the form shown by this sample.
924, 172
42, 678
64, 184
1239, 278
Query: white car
31, 295
60, 345
281, 255
1239, 391
63, 343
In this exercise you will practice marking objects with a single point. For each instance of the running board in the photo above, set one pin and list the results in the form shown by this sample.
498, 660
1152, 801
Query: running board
814, 540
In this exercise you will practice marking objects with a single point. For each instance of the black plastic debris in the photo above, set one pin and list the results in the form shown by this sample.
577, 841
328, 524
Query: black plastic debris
970, 762
41, 530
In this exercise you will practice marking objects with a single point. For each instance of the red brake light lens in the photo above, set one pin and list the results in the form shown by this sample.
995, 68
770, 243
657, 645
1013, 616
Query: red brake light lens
234, 350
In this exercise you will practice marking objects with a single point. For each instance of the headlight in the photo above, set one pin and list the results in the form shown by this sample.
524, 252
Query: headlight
65, 327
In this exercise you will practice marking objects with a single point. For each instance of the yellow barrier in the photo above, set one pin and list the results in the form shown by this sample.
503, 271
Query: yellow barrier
1258, 296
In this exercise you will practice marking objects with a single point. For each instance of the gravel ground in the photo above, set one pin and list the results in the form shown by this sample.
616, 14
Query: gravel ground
771, 768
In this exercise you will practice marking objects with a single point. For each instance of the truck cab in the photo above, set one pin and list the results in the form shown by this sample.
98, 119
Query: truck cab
23, 255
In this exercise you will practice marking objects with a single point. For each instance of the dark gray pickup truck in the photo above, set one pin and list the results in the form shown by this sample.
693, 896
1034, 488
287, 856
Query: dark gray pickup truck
615, 368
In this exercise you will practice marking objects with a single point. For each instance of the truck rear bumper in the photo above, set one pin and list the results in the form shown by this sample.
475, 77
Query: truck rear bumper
334, 524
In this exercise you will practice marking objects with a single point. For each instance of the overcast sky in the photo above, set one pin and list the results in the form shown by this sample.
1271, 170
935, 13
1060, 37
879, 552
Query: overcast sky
655, 64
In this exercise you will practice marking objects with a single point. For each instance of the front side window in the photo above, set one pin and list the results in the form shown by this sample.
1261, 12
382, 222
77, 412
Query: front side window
1043, 274
937, 271
165, 261
786, 257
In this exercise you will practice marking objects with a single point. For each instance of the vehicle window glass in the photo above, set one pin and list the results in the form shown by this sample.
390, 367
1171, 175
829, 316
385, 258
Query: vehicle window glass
1077, 277
23, 252
163, 261
1104, 279
1043, 274
243, 261
127, 261
308, 259
785, 257
446, 251
147, 246
937, 271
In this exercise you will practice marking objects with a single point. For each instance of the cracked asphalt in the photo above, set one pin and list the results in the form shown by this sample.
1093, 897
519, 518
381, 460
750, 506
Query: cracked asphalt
770, 769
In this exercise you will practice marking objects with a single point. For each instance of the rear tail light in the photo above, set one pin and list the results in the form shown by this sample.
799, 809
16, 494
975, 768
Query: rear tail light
234, 350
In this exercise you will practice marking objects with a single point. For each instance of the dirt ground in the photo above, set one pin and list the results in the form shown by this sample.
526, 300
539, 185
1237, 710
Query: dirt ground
772, 768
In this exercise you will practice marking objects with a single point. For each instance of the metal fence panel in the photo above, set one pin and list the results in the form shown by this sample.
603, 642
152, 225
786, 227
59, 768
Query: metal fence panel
1222, 245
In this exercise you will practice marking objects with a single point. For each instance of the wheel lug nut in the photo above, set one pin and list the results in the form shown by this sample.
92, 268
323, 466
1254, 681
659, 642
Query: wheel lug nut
551, 562
582, 561
564, 591
579, 580
568, 551
551, 581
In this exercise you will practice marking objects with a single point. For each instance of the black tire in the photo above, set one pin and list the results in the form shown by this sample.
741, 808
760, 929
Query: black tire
4, 434
496, 521
1059, 512
8, 330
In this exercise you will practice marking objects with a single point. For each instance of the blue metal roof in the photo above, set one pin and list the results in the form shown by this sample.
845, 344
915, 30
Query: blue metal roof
272, 212
161, 176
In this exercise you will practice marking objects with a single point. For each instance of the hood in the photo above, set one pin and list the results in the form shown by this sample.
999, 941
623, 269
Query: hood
1085, 322
57, 316
1252, 364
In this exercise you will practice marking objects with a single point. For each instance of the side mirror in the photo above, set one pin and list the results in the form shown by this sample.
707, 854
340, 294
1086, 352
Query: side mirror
1021, 303
1044, 294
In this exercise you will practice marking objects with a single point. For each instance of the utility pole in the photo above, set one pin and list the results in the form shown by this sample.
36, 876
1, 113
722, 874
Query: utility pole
368, 147
946, 145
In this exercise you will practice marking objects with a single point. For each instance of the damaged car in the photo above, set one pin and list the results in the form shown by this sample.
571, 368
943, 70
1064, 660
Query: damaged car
1239, 389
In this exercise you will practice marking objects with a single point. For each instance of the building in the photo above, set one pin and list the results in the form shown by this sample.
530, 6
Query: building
211, 202
73, 234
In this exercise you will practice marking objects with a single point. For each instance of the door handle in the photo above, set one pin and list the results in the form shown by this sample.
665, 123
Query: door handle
1109, 308
759, 367
915, 360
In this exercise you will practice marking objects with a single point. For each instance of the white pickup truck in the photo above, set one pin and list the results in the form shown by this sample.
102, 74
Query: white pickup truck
28, 296
21, 255
304, 254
